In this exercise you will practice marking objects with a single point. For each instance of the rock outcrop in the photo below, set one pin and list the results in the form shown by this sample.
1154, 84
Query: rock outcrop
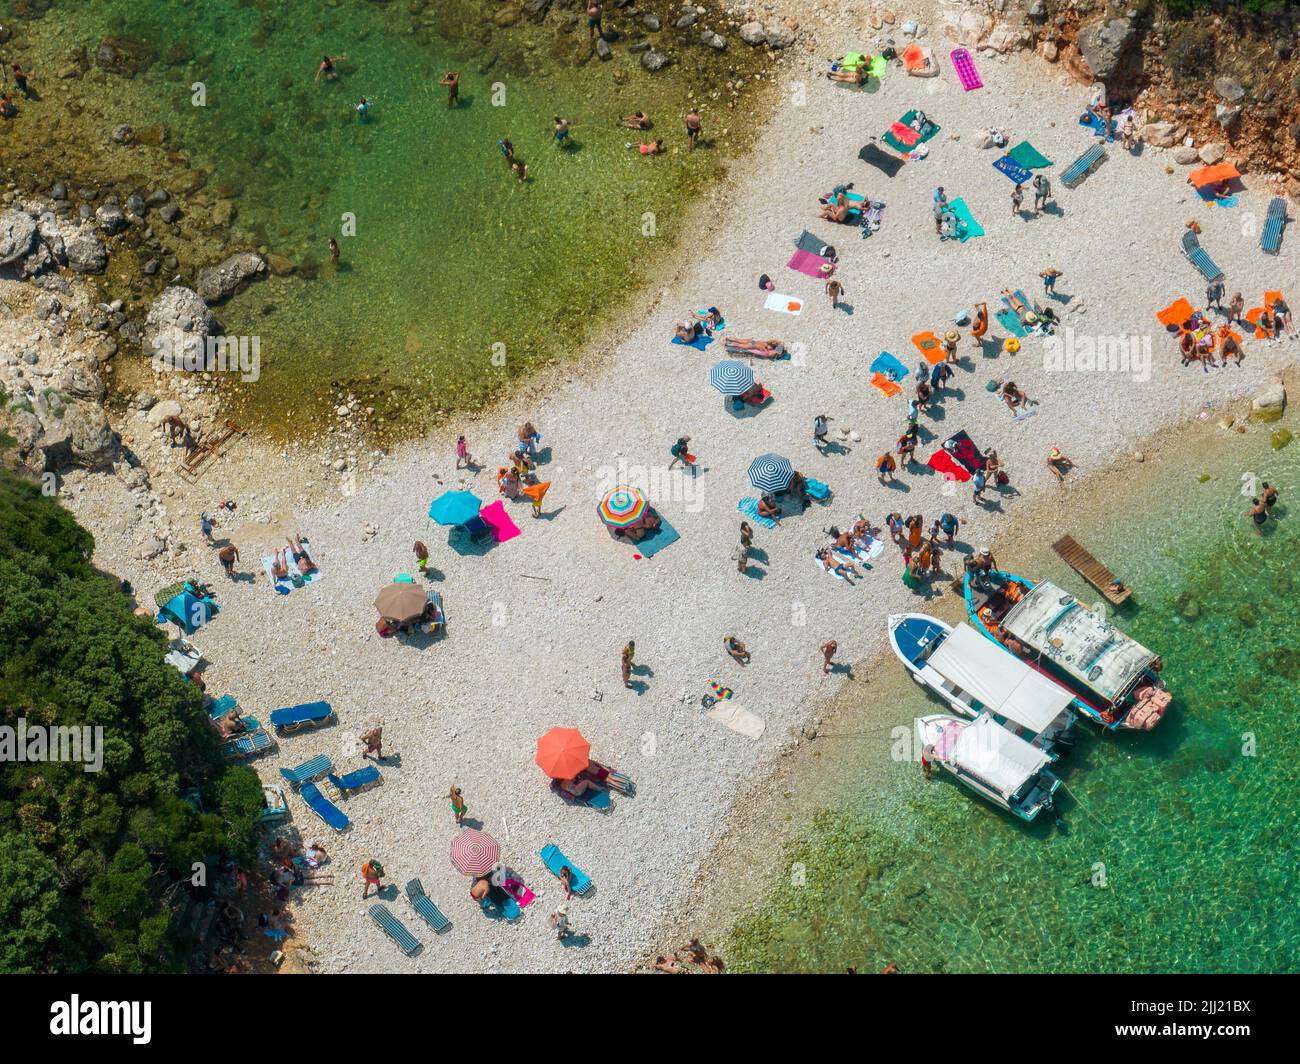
219, 282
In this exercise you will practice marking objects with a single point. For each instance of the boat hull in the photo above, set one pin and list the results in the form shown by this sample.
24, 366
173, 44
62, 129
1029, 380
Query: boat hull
930, 733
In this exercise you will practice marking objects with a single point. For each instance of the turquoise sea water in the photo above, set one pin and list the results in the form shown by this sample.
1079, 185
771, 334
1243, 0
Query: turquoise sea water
1180, 852
453, 259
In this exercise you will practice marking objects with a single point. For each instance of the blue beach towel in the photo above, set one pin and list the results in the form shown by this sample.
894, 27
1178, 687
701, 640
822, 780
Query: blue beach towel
967, 226
699, 343
1008, 320
1099, 127
888, 365
658, 539
1012, 169
818, 490
749, 507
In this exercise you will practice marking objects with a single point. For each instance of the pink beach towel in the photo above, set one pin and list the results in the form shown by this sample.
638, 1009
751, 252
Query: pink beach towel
965, 66
810, 264
519, 892
496, 518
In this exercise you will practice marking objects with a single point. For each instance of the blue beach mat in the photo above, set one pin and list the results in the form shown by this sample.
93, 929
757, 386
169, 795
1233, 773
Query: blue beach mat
658, 539
967, 226
749, 507
1099, 127
1009, 321
699, 343
888, 365
1012, 169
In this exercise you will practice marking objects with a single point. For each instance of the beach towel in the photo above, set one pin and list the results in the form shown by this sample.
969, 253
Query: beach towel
1100, 127
965, 67
1213, 175
902, 137
814, 245
555, 860
295, 574
884, 385
879, 64
281, 586
699, 343
740, 720
887, 164
943, 463
783, 303
496, 518
1207, 196
749, 507
1009, 321
916, 58
928, 344
1012, 169
1252, 317
1174, 316
1026, 155
963, 453
888, 365
812, 265
817, 490
967, 227
1024, 413
657, 539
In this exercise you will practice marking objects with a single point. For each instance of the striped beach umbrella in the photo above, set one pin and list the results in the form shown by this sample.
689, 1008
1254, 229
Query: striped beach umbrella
622, 507
770, 472
731, 377
475, 853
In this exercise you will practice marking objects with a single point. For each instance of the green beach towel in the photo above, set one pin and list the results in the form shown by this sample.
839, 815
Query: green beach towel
1028, 156
893, 140
967, 226
878, 66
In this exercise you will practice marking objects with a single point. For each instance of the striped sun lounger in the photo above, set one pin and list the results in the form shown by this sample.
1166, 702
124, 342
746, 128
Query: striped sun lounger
749, 507
425, 908
394, 929
553, 857
354, 781
1270, 239
1200, 258
323, 807
247, 746
309, 770
1084, 165
307, 715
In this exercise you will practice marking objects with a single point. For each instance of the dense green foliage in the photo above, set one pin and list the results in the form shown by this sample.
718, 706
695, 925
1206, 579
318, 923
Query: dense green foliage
1185, 7
85, 856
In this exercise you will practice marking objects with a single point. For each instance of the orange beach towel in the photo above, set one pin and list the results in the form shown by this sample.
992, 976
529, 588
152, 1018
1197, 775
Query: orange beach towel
1212, 175
884, 384
1176, 314
928, 344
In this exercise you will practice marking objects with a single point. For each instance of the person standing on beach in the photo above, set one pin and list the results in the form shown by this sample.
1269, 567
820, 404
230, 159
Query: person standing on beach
458, 806
694, 126
834, 289
940, 206
885, 466
625, 664
205, 526
372, 872
507, 149
681, 453
594, 13
1042, 192
949, 345
1017, 198
981, 326
228, 555
20, 79
451, 82
421, 556
828, 649
374, 742
1236, 307
463, 458
1049, 277
747, 535
1214, 294
978, 482
561, 130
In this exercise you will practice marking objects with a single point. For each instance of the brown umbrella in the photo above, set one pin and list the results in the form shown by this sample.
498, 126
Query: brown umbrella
401, 603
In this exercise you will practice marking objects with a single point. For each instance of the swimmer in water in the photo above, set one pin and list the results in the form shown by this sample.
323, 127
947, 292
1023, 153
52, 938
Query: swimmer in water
639, 120
326, 69
519, 170
451, 81
653, 148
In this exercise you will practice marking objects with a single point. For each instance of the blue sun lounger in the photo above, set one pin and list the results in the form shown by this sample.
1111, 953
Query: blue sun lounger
393, 928
323, 807
1275, 221
594, 799
219, 707
553, 857
355, 781
248, 745
309, 770
1200, 258
1083, 166
307, 715
424, 907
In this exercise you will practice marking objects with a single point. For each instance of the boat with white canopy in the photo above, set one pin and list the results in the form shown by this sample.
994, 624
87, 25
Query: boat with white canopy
989, 760
974, 676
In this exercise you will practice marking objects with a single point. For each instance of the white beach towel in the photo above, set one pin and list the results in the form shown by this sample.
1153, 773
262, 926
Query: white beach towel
291, 563
785, 304
282, 586
872, 549
739, 720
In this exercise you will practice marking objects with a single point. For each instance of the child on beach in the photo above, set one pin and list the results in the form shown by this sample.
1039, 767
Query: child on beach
421, 556
372, 872
464, 460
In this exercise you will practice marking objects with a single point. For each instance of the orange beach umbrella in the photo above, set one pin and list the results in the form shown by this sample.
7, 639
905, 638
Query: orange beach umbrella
562, 753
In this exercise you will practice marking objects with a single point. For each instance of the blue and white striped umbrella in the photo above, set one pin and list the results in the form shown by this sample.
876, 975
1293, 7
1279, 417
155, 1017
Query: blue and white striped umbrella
731, 377
770, 472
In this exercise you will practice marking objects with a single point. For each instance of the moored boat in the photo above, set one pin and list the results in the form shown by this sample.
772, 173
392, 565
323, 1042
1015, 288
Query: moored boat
1116, 678
987, 759
974, 676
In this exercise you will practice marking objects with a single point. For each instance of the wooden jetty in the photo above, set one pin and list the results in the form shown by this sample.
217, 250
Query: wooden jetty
1090, 569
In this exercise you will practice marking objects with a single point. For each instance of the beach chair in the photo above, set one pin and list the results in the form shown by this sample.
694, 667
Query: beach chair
749, 507
1200, 258
425, 908
394, 929
1270, 239
1084, 165
355, 781
307, 715
309, 770
219, 707
553, 857
323, 807
595, 799
247, 745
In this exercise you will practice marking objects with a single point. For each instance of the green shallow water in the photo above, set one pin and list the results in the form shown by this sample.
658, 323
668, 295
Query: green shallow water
453, 261
1195, 841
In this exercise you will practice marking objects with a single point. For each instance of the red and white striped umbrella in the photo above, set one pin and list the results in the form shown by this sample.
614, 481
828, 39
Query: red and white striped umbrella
474, 852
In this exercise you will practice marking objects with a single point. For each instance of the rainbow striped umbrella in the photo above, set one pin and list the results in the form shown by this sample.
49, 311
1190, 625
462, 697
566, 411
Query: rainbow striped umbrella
770, 472
622, 507
731, 377
475, 853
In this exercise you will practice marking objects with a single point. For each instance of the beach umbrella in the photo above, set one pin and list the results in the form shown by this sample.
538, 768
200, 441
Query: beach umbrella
562, 753
731, 377
475, 853
401, 603
622, 507
454, 507
770, 472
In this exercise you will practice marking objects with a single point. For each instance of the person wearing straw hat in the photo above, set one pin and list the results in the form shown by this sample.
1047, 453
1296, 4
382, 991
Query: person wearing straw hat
949, 345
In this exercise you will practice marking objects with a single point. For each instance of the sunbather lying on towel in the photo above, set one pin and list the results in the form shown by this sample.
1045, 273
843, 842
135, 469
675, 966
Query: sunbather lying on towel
851, 75
300, 555
833, 565
279, 567
757, 348
838, 209
1016, 303
753, 395
603, 774
230, 725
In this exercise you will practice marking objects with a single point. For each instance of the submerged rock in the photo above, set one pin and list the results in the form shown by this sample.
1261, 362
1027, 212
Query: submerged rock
1269, 404
216, 283
653, 60
752, 33
124, 56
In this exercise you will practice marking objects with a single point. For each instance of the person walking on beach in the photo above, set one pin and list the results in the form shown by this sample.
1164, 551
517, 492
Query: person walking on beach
1049, 277
828, 653
625, 663
978, 482
939, 207
374, 743
464, 459
681, 453
1214, 294
820, 428
451, 82
205, 526
228, 555
594, 13
1042, 192
885, 467
560, 923
834, 289
372, 872
20, 80
1258, 513
458, 806
746, 536
1017, 198
694, 126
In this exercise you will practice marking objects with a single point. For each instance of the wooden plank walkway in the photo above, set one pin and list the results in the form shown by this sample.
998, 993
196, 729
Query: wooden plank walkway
1090, 569
192, 465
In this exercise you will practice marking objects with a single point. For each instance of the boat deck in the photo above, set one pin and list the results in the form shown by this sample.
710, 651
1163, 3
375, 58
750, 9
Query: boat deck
1090, 569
